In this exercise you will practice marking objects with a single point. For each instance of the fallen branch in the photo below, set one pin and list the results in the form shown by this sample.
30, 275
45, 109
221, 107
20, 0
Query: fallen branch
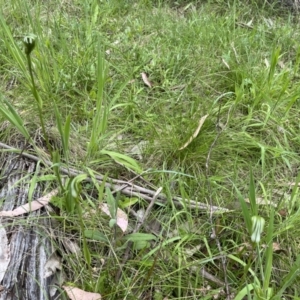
125, 187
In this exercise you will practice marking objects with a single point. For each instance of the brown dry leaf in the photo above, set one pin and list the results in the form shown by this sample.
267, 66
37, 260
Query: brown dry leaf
276, 247
78, 294
283, 212
28, 207
245, 247
71, 246
202, 120
122, 219
146, 80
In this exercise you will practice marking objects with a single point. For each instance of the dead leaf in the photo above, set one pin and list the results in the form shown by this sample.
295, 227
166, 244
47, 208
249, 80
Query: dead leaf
191, 251
276, 247
249, 24
202, 120
245, 247
29, 207
78, 294
4, 252
71, 246
246, 25
52, 265
146, 80
139, 149
283, 212
261, 201
122, 219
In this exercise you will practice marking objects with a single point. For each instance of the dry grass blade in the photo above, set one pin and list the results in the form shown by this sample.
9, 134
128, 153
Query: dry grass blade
201, 122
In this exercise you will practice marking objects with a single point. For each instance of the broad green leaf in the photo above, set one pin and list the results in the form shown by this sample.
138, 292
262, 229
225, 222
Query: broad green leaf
135, 237
112, 223
48, 177
288, 279
138, 245
246, 212
124, 160
33, 182
244, 292
95, 235
252, 196
127, 202
242, 263
112, 203
14, 118
269, 252
86, 252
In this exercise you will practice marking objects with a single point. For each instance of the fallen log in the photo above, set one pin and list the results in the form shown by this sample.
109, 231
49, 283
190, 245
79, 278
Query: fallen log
29, 243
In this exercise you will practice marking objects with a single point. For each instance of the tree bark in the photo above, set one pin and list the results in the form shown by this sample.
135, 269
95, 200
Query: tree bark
29, 242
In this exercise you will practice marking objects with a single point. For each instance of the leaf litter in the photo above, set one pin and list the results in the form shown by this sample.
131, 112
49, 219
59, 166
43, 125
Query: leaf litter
29, 207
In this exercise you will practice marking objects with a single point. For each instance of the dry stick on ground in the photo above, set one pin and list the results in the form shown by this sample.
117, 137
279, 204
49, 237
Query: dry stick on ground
137, 228
125, 187
207, 173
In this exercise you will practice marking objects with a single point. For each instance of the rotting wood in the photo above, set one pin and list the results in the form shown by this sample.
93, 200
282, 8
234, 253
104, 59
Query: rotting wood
30, 244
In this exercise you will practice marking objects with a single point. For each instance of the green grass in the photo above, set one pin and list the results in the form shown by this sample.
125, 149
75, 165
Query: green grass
237, 62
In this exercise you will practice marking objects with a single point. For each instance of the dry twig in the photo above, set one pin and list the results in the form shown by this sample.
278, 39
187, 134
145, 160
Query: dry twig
125, 187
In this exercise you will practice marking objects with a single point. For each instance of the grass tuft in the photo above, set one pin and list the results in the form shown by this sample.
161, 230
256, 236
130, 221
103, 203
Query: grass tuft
81, 101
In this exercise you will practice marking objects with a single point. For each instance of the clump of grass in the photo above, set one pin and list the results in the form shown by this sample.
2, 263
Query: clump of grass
236, 63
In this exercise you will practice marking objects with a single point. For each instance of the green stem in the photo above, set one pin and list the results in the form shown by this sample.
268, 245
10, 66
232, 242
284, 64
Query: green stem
39, 103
